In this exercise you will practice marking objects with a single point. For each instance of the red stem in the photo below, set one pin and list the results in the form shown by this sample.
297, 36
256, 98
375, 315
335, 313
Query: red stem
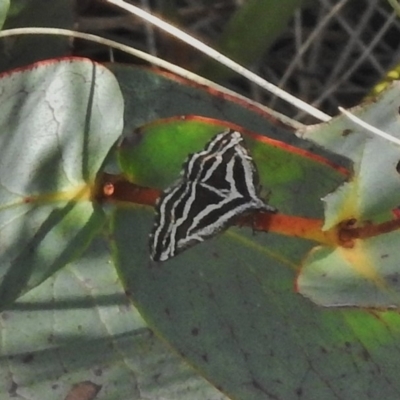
116, 188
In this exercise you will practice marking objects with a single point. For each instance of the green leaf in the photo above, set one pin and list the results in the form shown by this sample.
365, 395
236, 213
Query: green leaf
367, 196
229, 308
4, 6
366, 273
150, 96
293, 177
228, 305
79, 327
58, 122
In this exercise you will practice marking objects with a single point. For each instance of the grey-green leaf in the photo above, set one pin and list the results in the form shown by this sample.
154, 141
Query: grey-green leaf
4, 6
58, 121
365, 274
79, 329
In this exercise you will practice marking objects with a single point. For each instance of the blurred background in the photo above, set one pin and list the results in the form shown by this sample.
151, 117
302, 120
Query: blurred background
326, 52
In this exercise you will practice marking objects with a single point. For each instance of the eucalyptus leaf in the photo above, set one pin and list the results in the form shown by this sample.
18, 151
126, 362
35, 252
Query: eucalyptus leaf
366, 273
58, 121
79, 329
4, 6
228, 305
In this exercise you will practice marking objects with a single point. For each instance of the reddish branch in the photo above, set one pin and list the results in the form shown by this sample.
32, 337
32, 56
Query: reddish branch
115, 188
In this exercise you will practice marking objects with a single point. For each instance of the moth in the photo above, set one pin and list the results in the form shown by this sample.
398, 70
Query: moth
216, 185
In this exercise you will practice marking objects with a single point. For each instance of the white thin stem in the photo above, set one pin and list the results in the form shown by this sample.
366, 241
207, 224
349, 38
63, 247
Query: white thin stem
98, 39
210, 52
369, 127
146, 57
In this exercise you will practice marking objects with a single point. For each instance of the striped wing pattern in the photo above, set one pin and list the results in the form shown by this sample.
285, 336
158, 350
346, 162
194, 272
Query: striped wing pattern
217, 184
